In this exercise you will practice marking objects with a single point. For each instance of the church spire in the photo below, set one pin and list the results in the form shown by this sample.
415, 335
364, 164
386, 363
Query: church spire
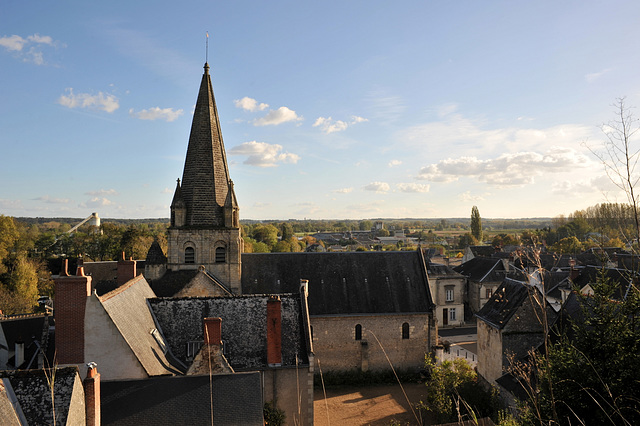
205, 180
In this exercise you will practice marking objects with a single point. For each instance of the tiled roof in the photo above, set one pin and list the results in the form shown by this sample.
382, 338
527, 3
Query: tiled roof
155, 255
185, 400
127, 308
244, 325
481, 269
172, 282
32, 390
503, 303
343, 283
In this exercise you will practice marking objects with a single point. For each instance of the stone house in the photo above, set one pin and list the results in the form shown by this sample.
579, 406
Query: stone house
513, 321
448, 289
484, 275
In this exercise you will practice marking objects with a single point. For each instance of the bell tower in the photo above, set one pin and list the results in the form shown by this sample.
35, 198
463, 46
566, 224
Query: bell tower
205, 225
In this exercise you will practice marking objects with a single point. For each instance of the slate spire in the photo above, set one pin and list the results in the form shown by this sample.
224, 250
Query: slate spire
205, 182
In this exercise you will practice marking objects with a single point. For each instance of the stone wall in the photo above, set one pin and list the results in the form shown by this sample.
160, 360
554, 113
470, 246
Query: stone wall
489, 352
287, 386
336, 347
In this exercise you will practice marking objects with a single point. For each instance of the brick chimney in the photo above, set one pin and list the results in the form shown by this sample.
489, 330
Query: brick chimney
213, 331
92, 395
274, 331
126, 270
71, 294
573, 273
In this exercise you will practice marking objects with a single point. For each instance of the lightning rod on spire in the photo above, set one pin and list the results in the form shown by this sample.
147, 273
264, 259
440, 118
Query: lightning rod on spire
206, 56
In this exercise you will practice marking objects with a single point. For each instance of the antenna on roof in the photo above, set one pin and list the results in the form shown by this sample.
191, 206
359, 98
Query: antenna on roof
206, 56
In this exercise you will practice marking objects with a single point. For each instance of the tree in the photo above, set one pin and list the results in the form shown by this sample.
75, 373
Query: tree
476, 224
568, 245
620, 156
467, 240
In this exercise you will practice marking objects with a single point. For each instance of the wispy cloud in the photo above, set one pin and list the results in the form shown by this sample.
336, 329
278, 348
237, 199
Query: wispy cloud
469, 197
51, 200
329, 125
102, 192
506, 170
277, 116
591, 77
343, 190
250, 104
413, 187
101, 101
156, 113
377, 187
262, 154
97, 202
394, 163
28, 49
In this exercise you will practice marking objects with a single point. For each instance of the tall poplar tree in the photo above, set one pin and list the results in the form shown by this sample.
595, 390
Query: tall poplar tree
476, 224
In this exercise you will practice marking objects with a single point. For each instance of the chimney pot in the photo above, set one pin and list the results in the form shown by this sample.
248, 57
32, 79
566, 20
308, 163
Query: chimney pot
65, 268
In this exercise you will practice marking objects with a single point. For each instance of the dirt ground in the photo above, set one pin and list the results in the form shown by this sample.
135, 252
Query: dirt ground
376, 405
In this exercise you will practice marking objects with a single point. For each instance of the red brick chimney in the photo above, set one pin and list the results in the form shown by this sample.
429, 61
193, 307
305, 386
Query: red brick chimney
126, 270
573, 273
92, 395
274, 331
213, 331
71, 294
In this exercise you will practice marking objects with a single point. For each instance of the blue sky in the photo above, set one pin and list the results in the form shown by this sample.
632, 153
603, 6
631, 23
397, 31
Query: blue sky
338, 109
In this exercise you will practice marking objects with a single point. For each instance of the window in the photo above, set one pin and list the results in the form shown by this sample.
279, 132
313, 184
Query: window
189, 255
488, 293
405, 330
449, 294
221, 255
358, 332
452, 314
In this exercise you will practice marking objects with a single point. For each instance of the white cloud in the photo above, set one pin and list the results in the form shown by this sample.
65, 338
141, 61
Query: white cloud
166, 190
506, 170
377, 187
28, 49
97, 202
467, 197
278, 116
156, 113
328, 125
49, 200
600, 184
262, 154
101, 101
343, 190
250, 104
590, 78
102, 192
413, 187
394, 163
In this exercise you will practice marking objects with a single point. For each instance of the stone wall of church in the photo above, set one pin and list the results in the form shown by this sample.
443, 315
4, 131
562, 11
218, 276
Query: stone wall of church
204, 242
339, 344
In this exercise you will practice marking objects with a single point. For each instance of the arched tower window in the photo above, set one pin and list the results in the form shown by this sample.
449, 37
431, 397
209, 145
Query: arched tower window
221, 255
358, 332
405, 330
189, 255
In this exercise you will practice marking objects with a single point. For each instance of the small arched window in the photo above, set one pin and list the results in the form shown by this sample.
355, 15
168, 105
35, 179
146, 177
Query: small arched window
221, 255
405, 330
189, 255
358, 332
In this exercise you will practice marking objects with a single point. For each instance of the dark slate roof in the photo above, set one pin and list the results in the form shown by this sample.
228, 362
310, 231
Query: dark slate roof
155, 255
186, 400
344, 283
438, 269
205, 179
503, 303
481, 269
127, 308
244, 327
33, 393
173, 281
29, 329
591, 274
483, 251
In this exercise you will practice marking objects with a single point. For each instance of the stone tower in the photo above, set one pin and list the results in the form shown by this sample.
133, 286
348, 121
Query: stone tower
205, 228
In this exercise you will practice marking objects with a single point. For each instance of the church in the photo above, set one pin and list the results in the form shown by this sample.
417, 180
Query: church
361, 304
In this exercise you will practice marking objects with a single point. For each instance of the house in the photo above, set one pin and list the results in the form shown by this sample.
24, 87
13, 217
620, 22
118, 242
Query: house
363, 306
448, 289
25, 341
49, 396
471, 252
484, 275
513, 321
